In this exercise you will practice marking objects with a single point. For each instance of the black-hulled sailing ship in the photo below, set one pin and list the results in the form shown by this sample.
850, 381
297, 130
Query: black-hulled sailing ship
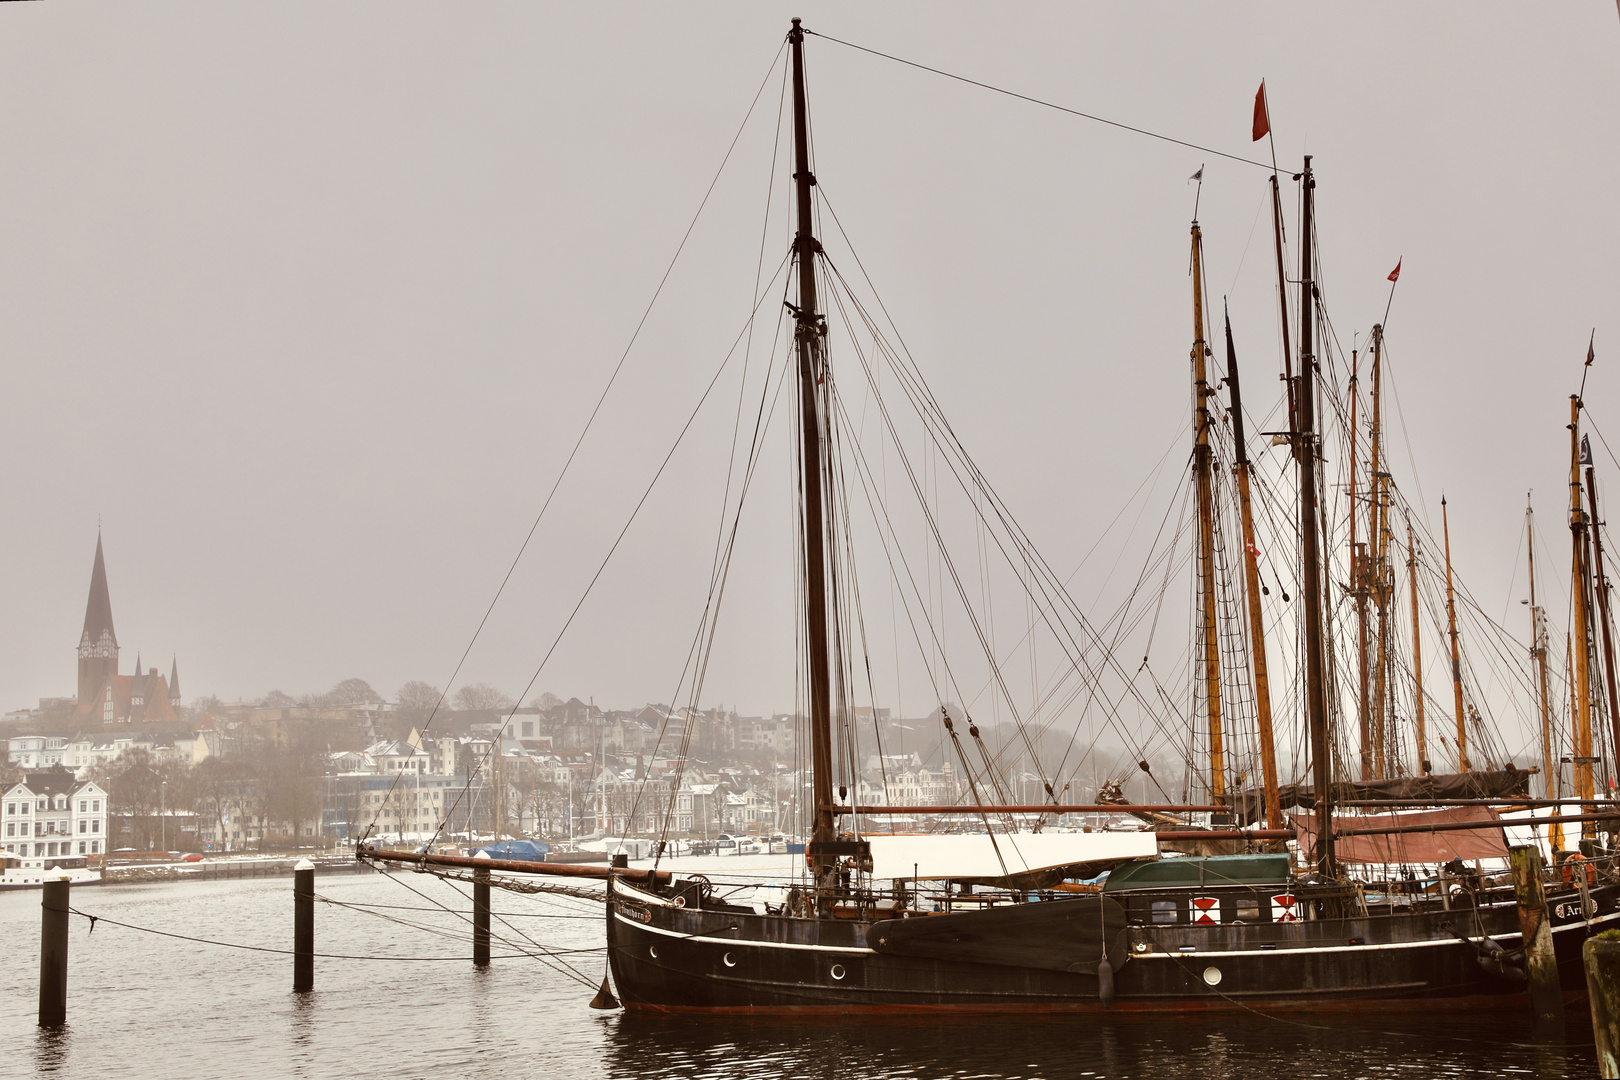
994, 920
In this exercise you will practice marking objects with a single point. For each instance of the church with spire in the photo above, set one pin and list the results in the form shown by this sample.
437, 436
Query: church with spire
105, 696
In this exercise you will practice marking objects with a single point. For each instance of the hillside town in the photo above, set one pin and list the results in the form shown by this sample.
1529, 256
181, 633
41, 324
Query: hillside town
148, 770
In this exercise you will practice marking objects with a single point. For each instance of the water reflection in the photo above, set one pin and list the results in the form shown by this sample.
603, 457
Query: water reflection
51, 1046
1117, 1047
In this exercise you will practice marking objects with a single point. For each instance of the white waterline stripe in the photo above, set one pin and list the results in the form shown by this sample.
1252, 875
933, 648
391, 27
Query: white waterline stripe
1174, 955
739, 941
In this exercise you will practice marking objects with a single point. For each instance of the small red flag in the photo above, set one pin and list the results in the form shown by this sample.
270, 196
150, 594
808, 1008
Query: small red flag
1262, 118
1395, 274
1590, 355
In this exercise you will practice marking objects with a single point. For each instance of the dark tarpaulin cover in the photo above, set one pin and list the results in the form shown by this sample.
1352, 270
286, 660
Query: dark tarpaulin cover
1250, 806
1053, 935
1410, 847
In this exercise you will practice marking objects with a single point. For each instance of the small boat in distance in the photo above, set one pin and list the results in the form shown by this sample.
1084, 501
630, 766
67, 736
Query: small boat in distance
30, 872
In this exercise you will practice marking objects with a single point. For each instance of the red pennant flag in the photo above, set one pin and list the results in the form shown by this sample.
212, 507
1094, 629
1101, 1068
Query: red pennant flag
1262, 118
1395, 274
1590, 355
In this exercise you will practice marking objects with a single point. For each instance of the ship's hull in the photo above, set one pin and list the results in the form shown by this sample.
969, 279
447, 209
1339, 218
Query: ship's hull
674, 959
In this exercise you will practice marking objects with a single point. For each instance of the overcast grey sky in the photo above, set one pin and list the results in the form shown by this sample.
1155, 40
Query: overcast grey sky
306, 303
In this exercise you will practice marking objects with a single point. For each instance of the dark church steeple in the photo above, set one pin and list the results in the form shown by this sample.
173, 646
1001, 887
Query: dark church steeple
174, 681
98, 643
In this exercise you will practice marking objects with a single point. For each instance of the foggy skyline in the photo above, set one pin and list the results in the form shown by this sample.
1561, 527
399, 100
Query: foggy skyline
306, 306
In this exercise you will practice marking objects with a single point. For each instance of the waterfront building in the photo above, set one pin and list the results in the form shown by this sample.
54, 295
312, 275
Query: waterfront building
51, 813
400, 802
33, 752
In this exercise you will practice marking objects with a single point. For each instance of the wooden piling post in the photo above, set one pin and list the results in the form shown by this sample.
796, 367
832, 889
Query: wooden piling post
1601, 955
1540, 962
53, 953
481, 918
303, 926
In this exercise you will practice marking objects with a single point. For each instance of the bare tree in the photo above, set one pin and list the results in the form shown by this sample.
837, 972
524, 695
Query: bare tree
547, 700
139, 786
482, 696
218, 784
352, 692
275, 699
418, 696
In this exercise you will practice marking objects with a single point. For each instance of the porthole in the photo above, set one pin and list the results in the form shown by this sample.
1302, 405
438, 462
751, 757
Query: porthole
731, 960
1212, 975
838, 971
652, 951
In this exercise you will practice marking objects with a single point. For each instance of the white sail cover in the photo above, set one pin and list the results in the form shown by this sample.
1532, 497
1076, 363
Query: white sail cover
974, 856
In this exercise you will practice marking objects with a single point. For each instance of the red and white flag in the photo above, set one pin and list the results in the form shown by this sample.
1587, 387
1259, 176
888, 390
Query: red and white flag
1262, 117
1395, 274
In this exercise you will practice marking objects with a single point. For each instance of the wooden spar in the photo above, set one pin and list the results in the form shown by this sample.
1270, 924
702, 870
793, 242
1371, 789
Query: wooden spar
516, 866
1358, 585
1465, 826
1174, 808
1251, 572
1202, 452
1282, 302
1311, 566
808, 331
1378, 536
1579, 595
1417, 654
1456, 655
1035, 808
1538, 652
1601, 583
1221, 834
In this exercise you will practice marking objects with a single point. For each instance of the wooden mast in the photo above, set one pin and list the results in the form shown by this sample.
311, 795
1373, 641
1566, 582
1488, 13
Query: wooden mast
1358, 586
1579, 595
1310, 552
1538, 652
1202, 453
1417, 654
809, 329
1282, 303
1251, 575
1456, 654
1378, 536
1601, 583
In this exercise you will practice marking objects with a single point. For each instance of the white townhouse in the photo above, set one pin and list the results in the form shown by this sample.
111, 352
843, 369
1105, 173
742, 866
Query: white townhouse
53, 814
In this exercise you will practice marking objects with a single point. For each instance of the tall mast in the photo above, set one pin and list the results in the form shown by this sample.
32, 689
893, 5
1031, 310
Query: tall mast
1378, 536
1202, 452
1251, 573
1538, 652
1282, 302
1579, 598
1601, 582
808, 332
1417, 654
1311, 569
1358, 586
1456, 654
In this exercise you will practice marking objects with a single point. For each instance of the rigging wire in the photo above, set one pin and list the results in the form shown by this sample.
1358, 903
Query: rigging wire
590, 420
1045, 104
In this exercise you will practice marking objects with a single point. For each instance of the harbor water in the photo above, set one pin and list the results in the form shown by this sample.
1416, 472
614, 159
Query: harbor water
396, 995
